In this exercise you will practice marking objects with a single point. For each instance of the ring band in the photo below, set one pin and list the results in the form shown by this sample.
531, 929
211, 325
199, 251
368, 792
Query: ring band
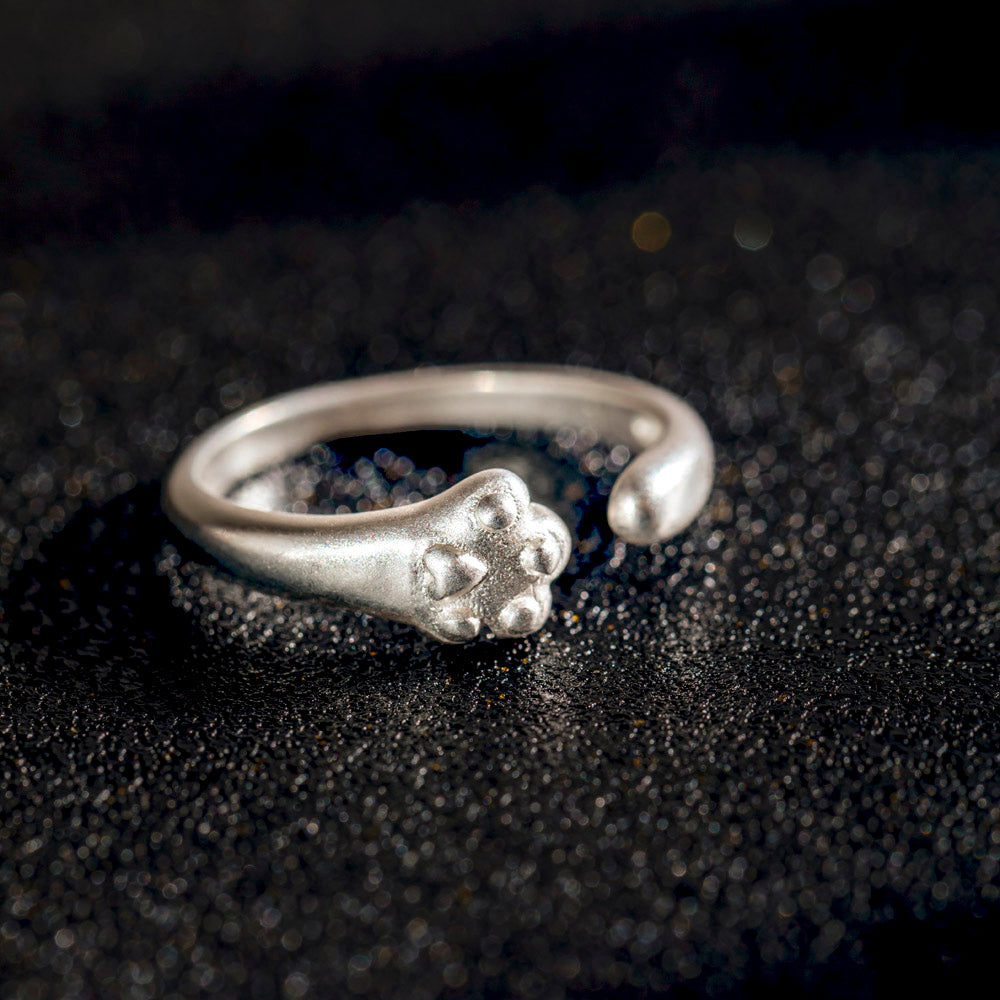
479, 555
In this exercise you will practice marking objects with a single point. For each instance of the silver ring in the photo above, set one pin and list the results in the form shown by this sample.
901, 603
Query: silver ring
479, 555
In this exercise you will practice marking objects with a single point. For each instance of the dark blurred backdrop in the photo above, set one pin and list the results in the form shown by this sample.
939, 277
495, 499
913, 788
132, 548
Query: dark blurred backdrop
121, 117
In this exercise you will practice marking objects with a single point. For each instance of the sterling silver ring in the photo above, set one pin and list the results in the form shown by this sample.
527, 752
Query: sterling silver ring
480, 555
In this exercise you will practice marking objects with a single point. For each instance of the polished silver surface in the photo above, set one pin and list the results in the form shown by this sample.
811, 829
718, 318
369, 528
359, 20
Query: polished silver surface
479, 556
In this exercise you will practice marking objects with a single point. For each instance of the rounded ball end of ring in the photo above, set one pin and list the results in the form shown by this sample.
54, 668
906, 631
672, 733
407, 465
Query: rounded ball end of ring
635, 517
476, 559
644, 510
664, 489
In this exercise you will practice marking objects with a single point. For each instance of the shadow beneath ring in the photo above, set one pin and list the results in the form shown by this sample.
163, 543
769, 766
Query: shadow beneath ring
93, 618
104, 621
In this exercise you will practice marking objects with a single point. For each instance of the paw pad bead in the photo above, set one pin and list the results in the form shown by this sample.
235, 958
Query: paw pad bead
451, 572
543, 556
459, 629
496, 511
522, 616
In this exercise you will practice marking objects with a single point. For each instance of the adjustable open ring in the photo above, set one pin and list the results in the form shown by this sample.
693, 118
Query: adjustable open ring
479, 555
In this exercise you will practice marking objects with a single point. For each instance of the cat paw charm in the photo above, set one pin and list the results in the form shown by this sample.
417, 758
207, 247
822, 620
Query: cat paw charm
493, 558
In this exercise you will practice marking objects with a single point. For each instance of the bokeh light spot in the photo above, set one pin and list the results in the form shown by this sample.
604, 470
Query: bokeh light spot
651, 232
753, 231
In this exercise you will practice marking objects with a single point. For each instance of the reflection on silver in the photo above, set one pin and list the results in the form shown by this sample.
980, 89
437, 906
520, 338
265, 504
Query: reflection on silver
481, 554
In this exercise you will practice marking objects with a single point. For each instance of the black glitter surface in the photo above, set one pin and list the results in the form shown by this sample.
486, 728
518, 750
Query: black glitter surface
762, 759
763, 756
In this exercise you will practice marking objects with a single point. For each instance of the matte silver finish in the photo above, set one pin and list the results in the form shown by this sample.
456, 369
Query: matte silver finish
481, 554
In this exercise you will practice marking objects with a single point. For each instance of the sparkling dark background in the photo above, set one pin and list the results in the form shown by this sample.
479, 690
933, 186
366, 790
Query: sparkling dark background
761, 759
